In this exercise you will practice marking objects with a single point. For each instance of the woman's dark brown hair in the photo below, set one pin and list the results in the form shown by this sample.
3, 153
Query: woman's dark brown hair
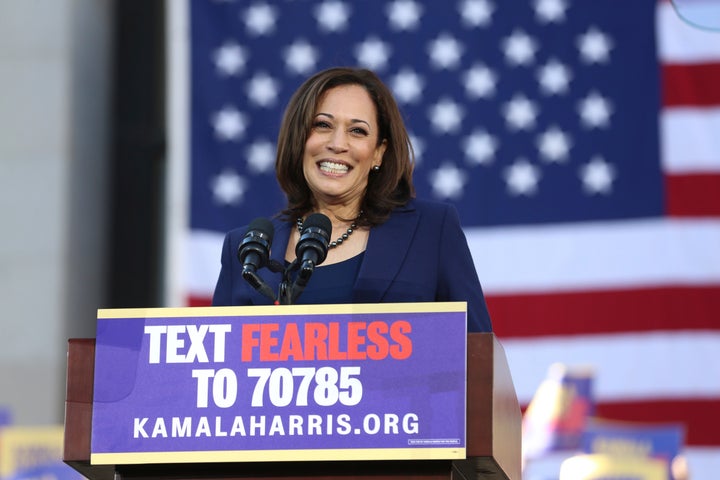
388, 188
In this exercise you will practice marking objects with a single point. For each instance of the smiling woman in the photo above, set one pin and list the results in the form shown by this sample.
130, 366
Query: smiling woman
343, 151
367, 105
343, 146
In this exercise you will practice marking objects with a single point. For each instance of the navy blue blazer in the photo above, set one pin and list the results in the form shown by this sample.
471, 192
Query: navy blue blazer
419, 254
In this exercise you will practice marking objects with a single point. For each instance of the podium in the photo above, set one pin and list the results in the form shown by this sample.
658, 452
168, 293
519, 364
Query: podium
493, 433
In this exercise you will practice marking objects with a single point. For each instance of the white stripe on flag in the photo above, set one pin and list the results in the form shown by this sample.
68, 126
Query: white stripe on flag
576, 257
703, 463
203, 262
551, 258
653, 365
679, 42
690, 139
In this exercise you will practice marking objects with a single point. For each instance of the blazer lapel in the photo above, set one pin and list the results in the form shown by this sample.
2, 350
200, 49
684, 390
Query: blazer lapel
280, 241
384, 255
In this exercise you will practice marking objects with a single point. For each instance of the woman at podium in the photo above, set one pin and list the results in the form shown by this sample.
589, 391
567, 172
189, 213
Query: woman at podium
344, 155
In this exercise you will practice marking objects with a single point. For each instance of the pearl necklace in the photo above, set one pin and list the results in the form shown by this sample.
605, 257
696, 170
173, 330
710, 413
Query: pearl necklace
341, 238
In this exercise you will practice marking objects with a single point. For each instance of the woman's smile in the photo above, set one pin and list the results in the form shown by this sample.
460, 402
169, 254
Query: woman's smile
333, 167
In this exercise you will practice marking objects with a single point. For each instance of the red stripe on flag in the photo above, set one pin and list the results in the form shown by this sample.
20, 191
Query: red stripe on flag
595, 312
694, 414
691, 84
608, 311
199, 301
693, 195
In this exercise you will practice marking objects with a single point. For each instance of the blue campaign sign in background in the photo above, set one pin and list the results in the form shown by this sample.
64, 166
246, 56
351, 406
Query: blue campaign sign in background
326, 382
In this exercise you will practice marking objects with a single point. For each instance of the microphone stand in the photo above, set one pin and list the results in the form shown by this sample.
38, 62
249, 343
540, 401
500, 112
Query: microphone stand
285, 290
289, 292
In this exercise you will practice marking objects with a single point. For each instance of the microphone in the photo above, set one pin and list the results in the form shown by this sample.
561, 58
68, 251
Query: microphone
254, 253
254, 250
311, 249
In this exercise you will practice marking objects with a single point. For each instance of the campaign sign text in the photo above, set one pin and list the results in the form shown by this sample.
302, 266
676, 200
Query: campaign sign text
240, 384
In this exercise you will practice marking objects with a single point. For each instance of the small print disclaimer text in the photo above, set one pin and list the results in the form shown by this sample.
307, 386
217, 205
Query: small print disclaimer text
434, 441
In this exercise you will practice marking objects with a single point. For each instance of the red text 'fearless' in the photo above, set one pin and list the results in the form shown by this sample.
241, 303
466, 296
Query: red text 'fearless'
377, 340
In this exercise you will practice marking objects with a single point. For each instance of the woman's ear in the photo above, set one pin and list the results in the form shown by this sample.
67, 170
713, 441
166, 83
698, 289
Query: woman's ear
379, 154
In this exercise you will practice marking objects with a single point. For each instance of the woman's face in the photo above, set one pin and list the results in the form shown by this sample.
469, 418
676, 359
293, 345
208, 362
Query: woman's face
342, 146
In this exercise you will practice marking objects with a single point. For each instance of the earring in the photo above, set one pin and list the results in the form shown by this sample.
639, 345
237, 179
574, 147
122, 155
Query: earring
376, 168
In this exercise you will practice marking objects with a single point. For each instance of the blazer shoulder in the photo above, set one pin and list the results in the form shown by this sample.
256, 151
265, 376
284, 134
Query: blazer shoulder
432, 209
423, 205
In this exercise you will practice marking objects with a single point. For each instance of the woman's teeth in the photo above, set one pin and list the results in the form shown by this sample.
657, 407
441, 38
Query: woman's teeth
332, 167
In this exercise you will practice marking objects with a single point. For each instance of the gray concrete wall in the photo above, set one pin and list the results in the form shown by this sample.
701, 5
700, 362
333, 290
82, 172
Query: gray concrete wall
54, 124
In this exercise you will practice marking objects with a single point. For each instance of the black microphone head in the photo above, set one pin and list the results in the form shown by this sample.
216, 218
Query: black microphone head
254, 250
315, 237
319, 220
262, 226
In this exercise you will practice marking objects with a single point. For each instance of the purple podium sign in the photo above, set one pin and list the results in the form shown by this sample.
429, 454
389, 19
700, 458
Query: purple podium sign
280, 383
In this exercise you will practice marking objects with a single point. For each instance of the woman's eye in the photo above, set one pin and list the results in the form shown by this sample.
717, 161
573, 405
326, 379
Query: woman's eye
359, 131
321, 124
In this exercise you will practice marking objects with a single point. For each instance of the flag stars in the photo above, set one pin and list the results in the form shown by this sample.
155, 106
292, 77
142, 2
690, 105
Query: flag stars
554, 78
480, 147
418, 145
261, 156
301, 57
260, 19
404, 14
594, 46
597, 176
522, 178
373, 53
520, 113
332, 16
550, 11
448, 181
446, 116
519, 48
262, 90
480, 82
229, 123
476, 13
445, 52
230, 59
554, 145
407, 86
228, 188
595, 111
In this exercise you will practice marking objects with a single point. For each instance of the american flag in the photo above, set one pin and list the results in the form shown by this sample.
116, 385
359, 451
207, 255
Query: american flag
579, 140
